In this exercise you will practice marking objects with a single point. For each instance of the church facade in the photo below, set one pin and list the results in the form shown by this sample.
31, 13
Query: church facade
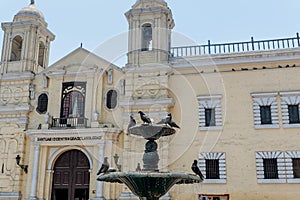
237, 105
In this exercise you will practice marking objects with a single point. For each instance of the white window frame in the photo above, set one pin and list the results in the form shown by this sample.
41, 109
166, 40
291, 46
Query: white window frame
210, 102
222, 166
265, 99
260, 156
289, 155
289, 98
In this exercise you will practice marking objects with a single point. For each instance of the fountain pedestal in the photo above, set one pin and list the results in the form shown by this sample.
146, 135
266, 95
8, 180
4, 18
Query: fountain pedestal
150, 184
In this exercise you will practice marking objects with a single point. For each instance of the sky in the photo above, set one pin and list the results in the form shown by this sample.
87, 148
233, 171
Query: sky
97, 23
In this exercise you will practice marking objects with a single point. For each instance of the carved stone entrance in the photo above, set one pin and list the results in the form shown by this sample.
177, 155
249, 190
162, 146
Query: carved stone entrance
71, 177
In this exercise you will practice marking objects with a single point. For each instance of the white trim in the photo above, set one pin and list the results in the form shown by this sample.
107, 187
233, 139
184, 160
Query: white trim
289, 98
208, 97
214, 102
222, 166
271, 181
289, 155
265, 99
290, 93
280, 166
211, 128
10, 195
265, 94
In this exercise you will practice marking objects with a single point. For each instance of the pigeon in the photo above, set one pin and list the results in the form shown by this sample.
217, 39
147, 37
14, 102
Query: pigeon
165, 120
104, 166
171, 122
145, 118
132, 123
138, 167
196, 170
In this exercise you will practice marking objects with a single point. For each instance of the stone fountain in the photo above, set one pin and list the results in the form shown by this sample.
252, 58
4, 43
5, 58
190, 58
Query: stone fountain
149, 183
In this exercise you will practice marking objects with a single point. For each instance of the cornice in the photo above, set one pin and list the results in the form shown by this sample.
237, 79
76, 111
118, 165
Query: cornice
236, 58
146, 103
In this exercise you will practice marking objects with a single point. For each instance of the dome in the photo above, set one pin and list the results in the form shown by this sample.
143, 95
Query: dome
30, 12
141, 2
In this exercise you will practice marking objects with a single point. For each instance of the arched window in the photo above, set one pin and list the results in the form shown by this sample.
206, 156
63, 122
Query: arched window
146, 37
111, 99
73, 105
16, 49
42, 104
41, 54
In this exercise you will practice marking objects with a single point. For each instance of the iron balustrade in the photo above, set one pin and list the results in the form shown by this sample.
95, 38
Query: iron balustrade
71, 122
235, 47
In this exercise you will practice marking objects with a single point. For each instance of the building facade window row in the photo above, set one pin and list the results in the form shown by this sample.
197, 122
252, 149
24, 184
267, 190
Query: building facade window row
271, 167
278, 167
265, 109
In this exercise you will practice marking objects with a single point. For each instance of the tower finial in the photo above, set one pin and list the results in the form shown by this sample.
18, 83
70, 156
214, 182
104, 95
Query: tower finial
32, 2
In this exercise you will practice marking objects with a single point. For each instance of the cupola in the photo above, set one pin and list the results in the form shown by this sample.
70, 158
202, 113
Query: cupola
150, 26
26, 42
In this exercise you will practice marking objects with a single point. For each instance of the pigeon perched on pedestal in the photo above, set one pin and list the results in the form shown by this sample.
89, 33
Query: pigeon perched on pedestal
196, 170
173, 124
168, 120
138, 167
132, 123
145, 118
104, 166
165, 120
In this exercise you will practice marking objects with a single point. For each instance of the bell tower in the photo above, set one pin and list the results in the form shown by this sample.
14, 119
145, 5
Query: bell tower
150, 25
26, 42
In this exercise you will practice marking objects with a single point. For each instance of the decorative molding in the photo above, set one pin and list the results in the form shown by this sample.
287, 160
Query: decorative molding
222, 166
289, 98
210, 101
280, 166
90, 136
289, 155
141, 103
55, 154
5, 195
265, 99
224, 60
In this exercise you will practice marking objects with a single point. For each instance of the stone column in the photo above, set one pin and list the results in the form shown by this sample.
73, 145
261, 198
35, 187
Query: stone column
99, 189
34, 176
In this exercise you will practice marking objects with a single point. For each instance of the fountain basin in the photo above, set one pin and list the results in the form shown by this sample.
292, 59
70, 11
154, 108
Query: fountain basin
151, 131
149, 185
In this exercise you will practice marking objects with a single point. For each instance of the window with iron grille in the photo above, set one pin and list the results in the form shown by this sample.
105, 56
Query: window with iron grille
293, 114
296, 167
73, 100
210, 117
265, 115
42, 104
212, 169
270, 168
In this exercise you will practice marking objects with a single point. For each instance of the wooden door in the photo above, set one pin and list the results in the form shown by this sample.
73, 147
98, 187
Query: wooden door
71, 177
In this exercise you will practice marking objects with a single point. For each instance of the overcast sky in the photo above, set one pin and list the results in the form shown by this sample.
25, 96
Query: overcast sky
98, 22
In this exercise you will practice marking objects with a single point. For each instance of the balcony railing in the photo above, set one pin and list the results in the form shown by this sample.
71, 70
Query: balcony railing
73, 122
236, 47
